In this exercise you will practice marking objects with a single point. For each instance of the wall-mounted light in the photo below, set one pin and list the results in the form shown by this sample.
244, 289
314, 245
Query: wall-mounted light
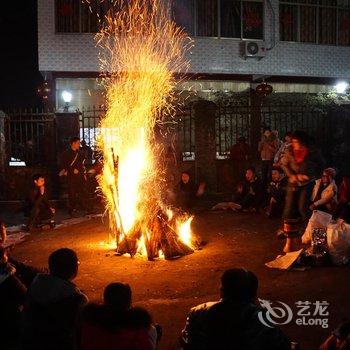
341, 87
67, 98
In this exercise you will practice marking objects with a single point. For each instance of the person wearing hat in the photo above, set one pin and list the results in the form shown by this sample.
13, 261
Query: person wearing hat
324, 194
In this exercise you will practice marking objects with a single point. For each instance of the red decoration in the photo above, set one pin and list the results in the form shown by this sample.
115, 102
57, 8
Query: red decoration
253, 20
264, 89
44, 91
66, 10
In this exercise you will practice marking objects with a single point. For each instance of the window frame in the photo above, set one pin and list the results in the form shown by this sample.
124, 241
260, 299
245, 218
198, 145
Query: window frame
80, 24
318, 6
195, 21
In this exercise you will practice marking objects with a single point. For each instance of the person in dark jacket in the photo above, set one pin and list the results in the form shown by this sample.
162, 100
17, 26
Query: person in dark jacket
12, 297
250, 193
15, 277
73, 167
233, 321
116, 324
302, 167
186, 192
51, 310
37, 206
276, 194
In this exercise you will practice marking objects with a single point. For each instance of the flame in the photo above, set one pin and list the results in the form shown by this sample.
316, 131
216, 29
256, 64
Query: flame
184, 231
140, 46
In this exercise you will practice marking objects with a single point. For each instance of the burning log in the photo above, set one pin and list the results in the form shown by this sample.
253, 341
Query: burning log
161, 238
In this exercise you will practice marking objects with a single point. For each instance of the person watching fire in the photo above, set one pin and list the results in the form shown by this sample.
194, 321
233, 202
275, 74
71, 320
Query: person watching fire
186, 192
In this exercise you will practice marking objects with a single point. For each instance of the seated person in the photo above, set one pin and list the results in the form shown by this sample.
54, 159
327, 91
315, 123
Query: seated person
232, 322
248, 195
186, 192
15, 278
3, 234
276, 194
12, 297
53, 304
37, 206
343, 208
324, 194
116, 324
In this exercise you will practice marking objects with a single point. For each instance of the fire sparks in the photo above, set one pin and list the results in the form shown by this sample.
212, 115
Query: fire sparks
140, 47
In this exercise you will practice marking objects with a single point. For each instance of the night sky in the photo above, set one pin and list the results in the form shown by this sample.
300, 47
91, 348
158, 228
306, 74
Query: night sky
19, 77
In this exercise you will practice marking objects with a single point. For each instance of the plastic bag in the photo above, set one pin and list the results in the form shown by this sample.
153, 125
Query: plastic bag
319, 219
338, 240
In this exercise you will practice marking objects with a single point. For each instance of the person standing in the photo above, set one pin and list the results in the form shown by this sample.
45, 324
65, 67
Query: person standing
302, 168
267, 147
73, 167
283, 149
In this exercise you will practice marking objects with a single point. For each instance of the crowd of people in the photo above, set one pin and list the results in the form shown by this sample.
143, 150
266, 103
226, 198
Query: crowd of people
293, 180
42, 309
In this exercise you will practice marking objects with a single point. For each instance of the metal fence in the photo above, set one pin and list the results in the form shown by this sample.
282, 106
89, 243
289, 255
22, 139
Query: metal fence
30, 137
89, 120
231, 123
182, 120
31, 134
235, 121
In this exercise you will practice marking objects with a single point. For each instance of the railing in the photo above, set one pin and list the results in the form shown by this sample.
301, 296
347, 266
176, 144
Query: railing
30, 137
31, 134
182, 122
235, 121
231, 123
89, 124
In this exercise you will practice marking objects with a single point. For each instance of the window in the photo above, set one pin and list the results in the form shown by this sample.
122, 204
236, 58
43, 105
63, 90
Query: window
324, 22
75, 16
240, 19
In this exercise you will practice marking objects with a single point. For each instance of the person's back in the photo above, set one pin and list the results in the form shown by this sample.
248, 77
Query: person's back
104, 328
53, 304
232, 323
12, 297
116, 324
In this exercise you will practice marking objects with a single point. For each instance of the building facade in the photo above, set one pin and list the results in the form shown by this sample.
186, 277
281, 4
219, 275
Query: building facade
306, 45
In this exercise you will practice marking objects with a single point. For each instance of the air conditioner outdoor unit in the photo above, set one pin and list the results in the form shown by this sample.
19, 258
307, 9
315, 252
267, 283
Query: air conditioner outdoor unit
252, 49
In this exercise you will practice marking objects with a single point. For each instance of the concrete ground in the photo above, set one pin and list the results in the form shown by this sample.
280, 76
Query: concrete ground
169, 288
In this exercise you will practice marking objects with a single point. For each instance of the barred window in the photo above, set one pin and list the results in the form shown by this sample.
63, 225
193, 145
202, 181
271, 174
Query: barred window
240, 19
75, 16
324, 22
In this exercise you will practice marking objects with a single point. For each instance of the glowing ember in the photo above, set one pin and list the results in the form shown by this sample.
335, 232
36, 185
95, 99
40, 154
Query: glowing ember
140, 47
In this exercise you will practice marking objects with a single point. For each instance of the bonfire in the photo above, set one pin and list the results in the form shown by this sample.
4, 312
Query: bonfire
140, 48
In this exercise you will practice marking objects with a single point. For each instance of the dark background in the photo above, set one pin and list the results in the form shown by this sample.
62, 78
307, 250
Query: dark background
19, 76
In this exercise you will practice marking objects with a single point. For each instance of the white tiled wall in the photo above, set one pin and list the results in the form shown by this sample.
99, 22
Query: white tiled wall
77, 52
